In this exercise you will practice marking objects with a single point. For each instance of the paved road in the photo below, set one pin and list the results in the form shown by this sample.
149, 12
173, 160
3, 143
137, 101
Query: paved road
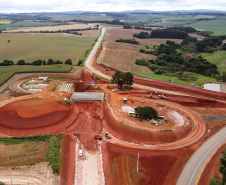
193, 167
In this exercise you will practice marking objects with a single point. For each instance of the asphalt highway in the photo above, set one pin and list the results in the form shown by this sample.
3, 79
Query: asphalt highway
194, 166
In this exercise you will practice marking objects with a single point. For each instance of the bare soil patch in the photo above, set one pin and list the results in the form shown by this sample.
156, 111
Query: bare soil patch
90, 33
199, 37
122, 56
222, 63
33, 113
22, 154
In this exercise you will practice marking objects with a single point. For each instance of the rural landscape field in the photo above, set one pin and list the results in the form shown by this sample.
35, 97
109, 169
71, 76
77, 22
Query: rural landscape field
136, 97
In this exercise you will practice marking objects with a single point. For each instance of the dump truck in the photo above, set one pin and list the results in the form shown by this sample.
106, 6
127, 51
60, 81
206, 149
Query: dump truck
107, 135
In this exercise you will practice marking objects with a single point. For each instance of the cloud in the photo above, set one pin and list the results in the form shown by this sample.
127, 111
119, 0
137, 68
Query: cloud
7, 6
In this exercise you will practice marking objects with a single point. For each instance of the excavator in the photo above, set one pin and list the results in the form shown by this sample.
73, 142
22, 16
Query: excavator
107, 135
151, 95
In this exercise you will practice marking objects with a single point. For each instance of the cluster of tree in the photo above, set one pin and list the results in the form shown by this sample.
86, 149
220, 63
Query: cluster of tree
222, 168
170, 61
122, 78
184, 29
159, 33
36, 62
144, 62
127, 26
173, 44
132, 41
208, 45
146, 112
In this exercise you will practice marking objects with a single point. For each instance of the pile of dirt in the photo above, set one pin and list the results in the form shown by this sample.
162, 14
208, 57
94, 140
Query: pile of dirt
88, 124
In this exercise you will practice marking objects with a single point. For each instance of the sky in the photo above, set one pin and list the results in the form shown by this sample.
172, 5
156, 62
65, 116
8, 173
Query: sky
27, 6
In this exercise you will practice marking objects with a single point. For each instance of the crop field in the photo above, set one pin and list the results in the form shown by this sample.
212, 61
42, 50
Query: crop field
10, 26
7, 71
51, 28
33, 47
218, 27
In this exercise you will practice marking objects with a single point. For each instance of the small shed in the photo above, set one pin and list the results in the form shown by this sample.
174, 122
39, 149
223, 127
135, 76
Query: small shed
124, 100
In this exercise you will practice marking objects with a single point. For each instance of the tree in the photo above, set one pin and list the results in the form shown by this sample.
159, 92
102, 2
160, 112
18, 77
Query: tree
68, 61
224, 76
7, 62
222, 168
128, 79
146, 112
50, 61
20, 62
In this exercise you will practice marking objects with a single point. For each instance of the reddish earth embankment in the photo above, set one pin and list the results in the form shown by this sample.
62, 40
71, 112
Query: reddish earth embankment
138, 136
179, 88
88, 124
155, 167
67, 168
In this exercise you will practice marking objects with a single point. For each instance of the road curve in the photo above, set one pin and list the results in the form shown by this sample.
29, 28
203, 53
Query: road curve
194, 166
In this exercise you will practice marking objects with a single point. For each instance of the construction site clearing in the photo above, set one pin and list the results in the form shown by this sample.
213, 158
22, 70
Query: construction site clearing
102, 131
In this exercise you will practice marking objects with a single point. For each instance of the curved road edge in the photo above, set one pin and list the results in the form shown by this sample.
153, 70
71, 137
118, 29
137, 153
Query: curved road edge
196, 163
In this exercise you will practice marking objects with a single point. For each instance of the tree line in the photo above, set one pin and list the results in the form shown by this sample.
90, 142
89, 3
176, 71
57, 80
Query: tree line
131, 41
159, 33
36, 62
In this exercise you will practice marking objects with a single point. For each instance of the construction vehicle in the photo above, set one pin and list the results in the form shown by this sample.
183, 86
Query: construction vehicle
151, 96
107, 135
154, 92
107, 86
163, 97
133, 114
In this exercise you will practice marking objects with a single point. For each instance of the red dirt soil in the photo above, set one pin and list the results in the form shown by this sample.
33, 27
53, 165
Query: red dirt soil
67, 168
158, 167
88, 124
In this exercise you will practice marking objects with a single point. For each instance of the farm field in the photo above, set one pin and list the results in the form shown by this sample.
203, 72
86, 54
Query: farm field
52, 28
33, 47
122, 56
5, 26
7, 71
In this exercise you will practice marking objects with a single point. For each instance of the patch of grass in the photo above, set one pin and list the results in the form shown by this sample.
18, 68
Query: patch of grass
216, 58
168, 130
7, 71
200, 78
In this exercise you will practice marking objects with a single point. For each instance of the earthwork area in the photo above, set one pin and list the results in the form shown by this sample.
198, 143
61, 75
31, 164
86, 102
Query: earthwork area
164, 145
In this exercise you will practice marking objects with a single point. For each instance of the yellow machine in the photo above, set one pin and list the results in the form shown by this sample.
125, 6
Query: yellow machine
133, 114
107, 135
154, 92
151, 96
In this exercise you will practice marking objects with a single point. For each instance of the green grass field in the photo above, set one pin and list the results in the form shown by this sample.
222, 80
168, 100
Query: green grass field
200, 79
7, 71
10, 26
34, 47
218, 27
216, 58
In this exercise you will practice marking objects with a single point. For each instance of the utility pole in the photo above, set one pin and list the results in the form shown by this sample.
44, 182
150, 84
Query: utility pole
137, 162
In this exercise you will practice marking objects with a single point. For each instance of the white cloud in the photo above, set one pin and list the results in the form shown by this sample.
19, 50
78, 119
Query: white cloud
8, 6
